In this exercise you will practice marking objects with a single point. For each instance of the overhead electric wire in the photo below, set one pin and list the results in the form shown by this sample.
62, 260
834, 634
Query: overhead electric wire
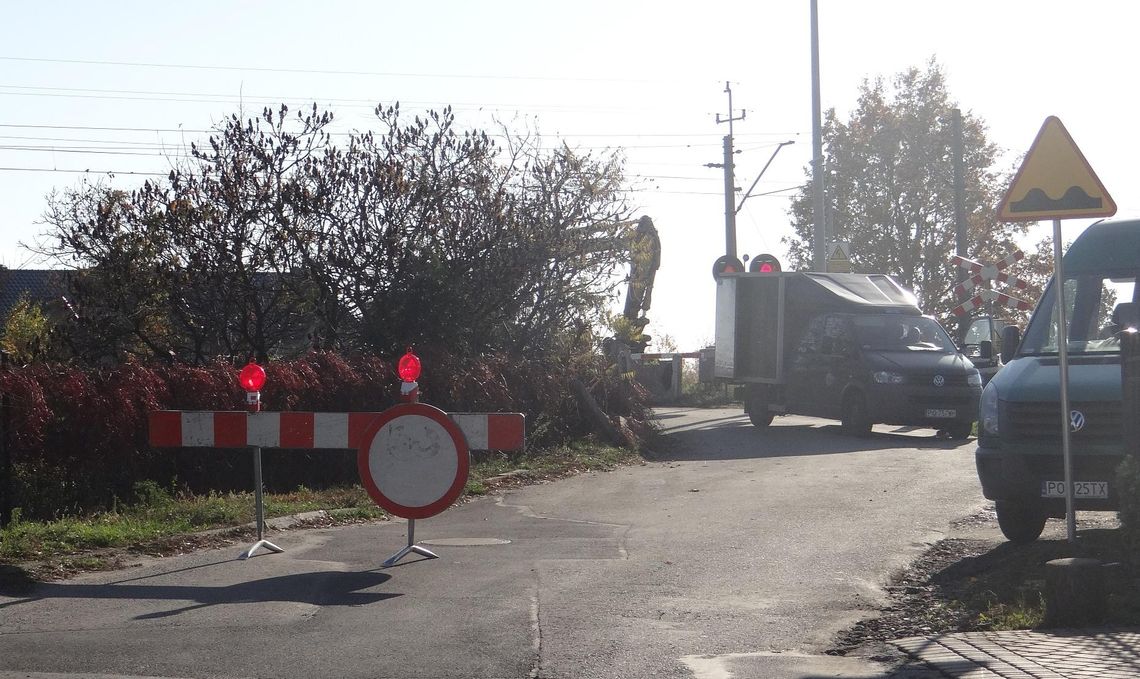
96, 172
393, 74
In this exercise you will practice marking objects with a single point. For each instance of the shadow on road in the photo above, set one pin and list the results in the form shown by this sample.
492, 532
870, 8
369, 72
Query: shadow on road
317, 588
728, 435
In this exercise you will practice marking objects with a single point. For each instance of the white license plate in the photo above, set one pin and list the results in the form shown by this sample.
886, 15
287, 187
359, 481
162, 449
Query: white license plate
948, 413
1092, 490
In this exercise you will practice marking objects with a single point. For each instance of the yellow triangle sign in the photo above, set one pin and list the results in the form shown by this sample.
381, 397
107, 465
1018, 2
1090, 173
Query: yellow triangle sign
1055, 182
839, 255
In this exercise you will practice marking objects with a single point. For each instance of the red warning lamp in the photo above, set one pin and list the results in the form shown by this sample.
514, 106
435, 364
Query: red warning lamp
409, 370
725, 264
764, 264
252, 379
409, 367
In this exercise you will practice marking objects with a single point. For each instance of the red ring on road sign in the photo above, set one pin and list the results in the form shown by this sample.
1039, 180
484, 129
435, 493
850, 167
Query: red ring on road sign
363, 456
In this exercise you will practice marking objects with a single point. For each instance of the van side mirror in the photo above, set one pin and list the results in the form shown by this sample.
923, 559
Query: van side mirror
985, 350
1010, 338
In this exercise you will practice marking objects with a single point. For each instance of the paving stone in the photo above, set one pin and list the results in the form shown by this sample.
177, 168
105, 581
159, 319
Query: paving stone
1025, 654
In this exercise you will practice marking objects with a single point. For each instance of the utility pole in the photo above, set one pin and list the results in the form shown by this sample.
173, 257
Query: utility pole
959, 183
729, 179
960, 235
817, 148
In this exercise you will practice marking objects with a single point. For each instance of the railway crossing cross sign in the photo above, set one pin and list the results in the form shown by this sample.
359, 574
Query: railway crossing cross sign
979, 273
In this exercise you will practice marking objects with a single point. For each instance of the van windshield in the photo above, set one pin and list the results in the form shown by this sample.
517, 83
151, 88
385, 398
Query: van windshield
893, 332
1092, 316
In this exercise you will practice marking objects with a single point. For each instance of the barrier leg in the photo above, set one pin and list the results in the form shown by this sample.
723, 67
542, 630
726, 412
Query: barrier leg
260, 510
412, 547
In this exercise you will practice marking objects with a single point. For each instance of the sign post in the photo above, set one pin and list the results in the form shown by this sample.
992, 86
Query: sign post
413, 462
1056, 182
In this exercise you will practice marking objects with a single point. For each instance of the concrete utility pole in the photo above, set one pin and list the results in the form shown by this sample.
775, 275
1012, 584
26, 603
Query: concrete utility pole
817, 148
729, 179
959, 184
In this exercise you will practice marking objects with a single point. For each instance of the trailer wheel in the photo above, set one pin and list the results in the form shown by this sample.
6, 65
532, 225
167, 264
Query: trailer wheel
855, 420
1021, 521
758, 412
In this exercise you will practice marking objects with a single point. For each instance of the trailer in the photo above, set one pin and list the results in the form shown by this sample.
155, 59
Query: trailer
852, 347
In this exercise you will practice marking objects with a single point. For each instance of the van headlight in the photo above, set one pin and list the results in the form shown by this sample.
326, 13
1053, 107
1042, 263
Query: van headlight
885, 377
989, 409
974, 379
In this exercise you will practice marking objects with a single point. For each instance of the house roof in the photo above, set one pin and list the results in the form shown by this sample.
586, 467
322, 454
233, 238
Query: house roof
35, 285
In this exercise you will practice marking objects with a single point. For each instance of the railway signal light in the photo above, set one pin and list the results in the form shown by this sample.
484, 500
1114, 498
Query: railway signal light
725, 264
764, 263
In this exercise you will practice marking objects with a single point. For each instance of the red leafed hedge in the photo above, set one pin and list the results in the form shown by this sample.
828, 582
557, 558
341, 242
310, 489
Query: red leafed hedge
78, 436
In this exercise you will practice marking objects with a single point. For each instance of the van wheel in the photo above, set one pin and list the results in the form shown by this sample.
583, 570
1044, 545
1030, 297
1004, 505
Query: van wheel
960, 430
1021, 521
855, 421
758, 412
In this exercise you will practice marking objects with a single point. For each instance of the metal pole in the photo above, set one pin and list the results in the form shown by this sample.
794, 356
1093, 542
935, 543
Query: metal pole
817, 146
1063, 355
412, 547
259, 505
258, 499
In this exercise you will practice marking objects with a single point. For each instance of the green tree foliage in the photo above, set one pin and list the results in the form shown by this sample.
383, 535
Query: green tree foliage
890, 188
27, 332
272, 239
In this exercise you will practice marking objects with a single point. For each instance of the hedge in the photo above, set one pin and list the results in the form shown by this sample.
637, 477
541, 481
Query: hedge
78, 440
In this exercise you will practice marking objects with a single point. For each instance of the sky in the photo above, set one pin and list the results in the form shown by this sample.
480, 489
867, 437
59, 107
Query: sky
125, 87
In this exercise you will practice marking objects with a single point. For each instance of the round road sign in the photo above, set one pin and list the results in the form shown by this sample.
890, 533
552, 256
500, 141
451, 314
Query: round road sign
413, 460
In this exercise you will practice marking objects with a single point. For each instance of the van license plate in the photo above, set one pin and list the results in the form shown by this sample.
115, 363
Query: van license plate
942, 413
1092, 490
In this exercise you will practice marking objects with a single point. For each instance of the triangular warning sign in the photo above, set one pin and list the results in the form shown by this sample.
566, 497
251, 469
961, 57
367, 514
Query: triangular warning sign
839, 255
1055, 182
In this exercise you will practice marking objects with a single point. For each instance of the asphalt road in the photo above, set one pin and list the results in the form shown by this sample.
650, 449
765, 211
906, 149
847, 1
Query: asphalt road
737, 553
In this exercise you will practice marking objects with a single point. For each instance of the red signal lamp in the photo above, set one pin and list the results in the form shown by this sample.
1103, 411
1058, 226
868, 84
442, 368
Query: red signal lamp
252, 379
725, 264
764, 263
409, 367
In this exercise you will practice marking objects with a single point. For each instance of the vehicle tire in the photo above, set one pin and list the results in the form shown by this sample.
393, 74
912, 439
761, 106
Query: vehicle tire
960, 430
1021, 521
855, 420
758, 412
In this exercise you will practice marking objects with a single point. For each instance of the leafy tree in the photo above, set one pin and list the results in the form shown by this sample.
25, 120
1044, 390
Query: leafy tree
890, 188
27, 332
271, 239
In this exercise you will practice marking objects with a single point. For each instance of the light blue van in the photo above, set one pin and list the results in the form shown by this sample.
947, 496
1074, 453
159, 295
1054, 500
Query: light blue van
1019, 455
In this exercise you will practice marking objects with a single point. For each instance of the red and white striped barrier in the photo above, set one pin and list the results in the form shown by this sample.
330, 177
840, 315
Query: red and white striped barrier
311, 431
